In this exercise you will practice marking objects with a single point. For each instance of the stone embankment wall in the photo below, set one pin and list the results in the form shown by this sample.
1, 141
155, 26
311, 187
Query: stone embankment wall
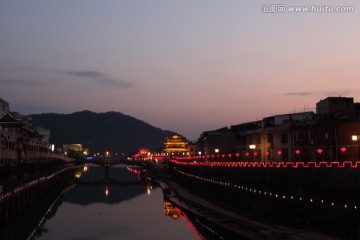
317, 197
13, 202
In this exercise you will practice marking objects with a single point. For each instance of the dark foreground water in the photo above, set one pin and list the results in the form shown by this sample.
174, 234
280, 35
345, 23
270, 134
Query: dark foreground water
105, 204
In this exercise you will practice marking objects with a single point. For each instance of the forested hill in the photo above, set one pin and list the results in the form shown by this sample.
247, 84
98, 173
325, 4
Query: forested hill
111, 131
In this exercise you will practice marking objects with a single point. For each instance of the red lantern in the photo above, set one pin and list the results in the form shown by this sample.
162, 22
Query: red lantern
237, 154
343, 149
279, 152
229, 155
255, 154
297, 151
267, 153
319, 151
247, 154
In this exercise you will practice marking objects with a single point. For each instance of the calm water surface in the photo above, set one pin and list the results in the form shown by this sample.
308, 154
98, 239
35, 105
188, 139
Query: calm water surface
114, 207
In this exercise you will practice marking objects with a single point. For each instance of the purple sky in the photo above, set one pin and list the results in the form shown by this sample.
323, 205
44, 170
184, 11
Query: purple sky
186, 65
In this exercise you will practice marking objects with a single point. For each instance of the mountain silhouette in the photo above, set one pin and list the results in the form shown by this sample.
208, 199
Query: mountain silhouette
100, 132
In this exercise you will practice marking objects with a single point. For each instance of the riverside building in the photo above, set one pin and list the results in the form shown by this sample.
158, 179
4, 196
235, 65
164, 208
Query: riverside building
330, 134
19, 143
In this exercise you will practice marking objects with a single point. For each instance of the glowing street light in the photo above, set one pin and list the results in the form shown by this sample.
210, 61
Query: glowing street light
356, 138
252, 147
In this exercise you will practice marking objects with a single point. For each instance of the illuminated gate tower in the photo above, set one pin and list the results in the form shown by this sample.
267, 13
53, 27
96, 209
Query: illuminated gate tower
176, 145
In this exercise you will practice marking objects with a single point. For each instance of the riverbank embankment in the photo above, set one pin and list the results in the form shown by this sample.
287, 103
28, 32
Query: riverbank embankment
234, 223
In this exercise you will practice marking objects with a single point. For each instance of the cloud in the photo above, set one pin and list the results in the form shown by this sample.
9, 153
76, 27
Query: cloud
99, 77
20, 82
87, 74
34, 76
298, 94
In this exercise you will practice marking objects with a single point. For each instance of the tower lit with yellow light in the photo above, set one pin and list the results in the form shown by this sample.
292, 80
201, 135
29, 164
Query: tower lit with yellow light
176, 145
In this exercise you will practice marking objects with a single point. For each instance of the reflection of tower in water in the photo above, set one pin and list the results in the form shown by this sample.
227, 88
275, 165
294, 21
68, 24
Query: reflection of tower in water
106, 191
175, 213
172, 211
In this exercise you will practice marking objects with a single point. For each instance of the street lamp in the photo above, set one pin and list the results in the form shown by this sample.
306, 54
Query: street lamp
252, 147
217, 153
355, 138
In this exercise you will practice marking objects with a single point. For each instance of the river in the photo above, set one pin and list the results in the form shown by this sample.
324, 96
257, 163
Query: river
113, 204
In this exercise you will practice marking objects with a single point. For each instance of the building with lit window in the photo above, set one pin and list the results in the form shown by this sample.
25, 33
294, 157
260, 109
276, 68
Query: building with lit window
193, 149
75, 150
216, 141
176, 145
270, 138
330, 134
142, 154
19, 143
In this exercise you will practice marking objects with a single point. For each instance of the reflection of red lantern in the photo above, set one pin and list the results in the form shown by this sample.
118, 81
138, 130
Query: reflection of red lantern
229, 155
255, 154
237, 154
212, 155
279, 152
343, 149
267, 153
247, 154
222, 155
319, 151
297, 151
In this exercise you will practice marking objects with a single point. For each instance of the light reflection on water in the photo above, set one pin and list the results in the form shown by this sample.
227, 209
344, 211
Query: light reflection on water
114, 211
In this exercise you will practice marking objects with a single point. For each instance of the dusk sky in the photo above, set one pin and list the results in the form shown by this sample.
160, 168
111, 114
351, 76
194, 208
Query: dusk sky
183, 65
